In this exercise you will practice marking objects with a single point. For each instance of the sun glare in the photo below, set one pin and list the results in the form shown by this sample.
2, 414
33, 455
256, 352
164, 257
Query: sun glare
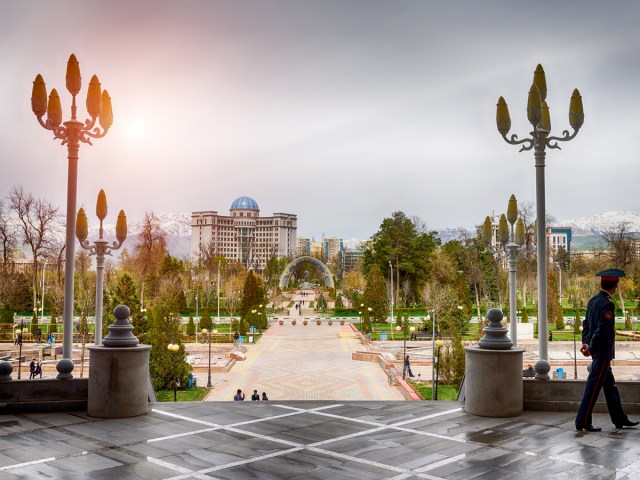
134, 127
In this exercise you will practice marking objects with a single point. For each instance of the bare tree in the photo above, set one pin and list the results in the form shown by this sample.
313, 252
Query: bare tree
8, 242
36, 219
621, 251
150, 249
620, 245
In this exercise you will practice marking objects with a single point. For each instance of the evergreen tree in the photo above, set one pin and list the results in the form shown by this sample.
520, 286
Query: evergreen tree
205, 320
374, 294
252, 295
124, 292
339, 301
191, 326
6, 315
164, 328
366, 322
525, 316
20, 295
34, 324
628, 326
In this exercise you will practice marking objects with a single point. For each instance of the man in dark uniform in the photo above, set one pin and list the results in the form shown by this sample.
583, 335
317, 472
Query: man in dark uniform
598, 342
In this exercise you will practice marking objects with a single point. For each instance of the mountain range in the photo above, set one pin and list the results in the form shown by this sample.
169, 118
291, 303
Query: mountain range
587, 231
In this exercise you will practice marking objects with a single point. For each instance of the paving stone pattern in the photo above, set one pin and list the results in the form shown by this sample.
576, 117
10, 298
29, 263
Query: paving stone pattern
313, 440
305, 362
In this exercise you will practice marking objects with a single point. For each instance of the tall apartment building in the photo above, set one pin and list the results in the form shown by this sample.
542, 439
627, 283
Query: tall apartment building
244, 235
332, 248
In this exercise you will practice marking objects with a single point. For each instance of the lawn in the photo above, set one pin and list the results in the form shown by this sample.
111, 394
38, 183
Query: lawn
183, 394
445, 392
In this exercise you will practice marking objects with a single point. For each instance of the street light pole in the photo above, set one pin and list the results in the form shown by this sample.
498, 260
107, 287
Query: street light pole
560, 282
392, 298
538, 116
433, 350
71, 133
197, 319
100, 248
44, 268
511, 241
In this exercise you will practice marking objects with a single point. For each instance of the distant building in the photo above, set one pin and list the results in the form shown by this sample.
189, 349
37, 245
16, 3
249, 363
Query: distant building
303, 247
244, 235
557, 238
348, 259
332, 248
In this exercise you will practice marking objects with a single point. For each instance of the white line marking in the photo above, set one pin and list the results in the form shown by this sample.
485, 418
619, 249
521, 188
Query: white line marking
202, 473
182, 417
263, 437
427, 417
344, 437
184, 434
26, 464
168, 465
445, 461
360, 460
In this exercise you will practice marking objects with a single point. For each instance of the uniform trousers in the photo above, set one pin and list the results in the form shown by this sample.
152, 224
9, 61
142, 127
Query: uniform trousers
600, 378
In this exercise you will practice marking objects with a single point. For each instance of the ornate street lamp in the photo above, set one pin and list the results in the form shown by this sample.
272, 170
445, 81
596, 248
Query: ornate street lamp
205, 332
100, 248
511, 241
433, 349
538, 116
71, 132
404, 348
20, 333
174, 347
434, 389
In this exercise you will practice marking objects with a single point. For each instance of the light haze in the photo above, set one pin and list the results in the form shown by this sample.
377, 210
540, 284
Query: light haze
341, 112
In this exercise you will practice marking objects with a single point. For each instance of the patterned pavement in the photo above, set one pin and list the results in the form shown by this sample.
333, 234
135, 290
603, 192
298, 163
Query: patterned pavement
314, 440
305, 362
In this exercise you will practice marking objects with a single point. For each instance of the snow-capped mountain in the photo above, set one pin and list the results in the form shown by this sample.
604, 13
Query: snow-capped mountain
603, 222
176, 226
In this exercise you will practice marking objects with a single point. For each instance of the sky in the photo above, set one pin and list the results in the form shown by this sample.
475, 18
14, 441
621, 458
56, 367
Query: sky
341, 112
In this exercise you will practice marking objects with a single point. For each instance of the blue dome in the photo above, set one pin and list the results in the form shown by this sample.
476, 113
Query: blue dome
244, 203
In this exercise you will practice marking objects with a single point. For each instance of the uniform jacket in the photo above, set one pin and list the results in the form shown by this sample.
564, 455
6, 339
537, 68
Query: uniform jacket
598, 327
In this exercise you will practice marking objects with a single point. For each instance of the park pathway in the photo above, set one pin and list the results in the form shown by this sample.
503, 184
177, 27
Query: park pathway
305, 362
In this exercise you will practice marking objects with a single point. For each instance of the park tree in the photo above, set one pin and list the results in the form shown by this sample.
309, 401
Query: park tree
401, 243
124, 292
8, 242
252, 294
374, 295
36, 222
164, 328
554, 309
148, 252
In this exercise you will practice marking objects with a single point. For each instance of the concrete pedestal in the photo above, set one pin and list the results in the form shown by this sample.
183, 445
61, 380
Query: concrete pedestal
118, 381
493, 382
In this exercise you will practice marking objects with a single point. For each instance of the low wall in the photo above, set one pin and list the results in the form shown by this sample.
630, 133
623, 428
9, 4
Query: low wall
43, 396
565, 396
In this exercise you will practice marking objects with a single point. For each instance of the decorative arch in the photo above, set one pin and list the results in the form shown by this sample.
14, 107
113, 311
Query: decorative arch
317, 264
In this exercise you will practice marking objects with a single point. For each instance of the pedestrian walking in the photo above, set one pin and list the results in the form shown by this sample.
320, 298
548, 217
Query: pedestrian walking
256, 396
264, 396
38, 370
239, 396
32, 368
407, 366
598, 342
236, 336
39, 335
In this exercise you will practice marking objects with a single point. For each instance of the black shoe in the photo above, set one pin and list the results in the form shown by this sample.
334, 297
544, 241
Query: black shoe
627, 423
589, 428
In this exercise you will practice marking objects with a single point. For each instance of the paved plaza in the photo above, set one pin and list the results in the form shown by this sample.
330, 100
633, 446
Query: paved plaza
313, 440
304, 362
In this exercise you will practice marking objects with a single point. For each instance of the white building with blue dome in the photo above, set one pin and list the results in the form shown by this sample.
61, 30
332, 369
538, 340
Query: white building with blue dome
243, 235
